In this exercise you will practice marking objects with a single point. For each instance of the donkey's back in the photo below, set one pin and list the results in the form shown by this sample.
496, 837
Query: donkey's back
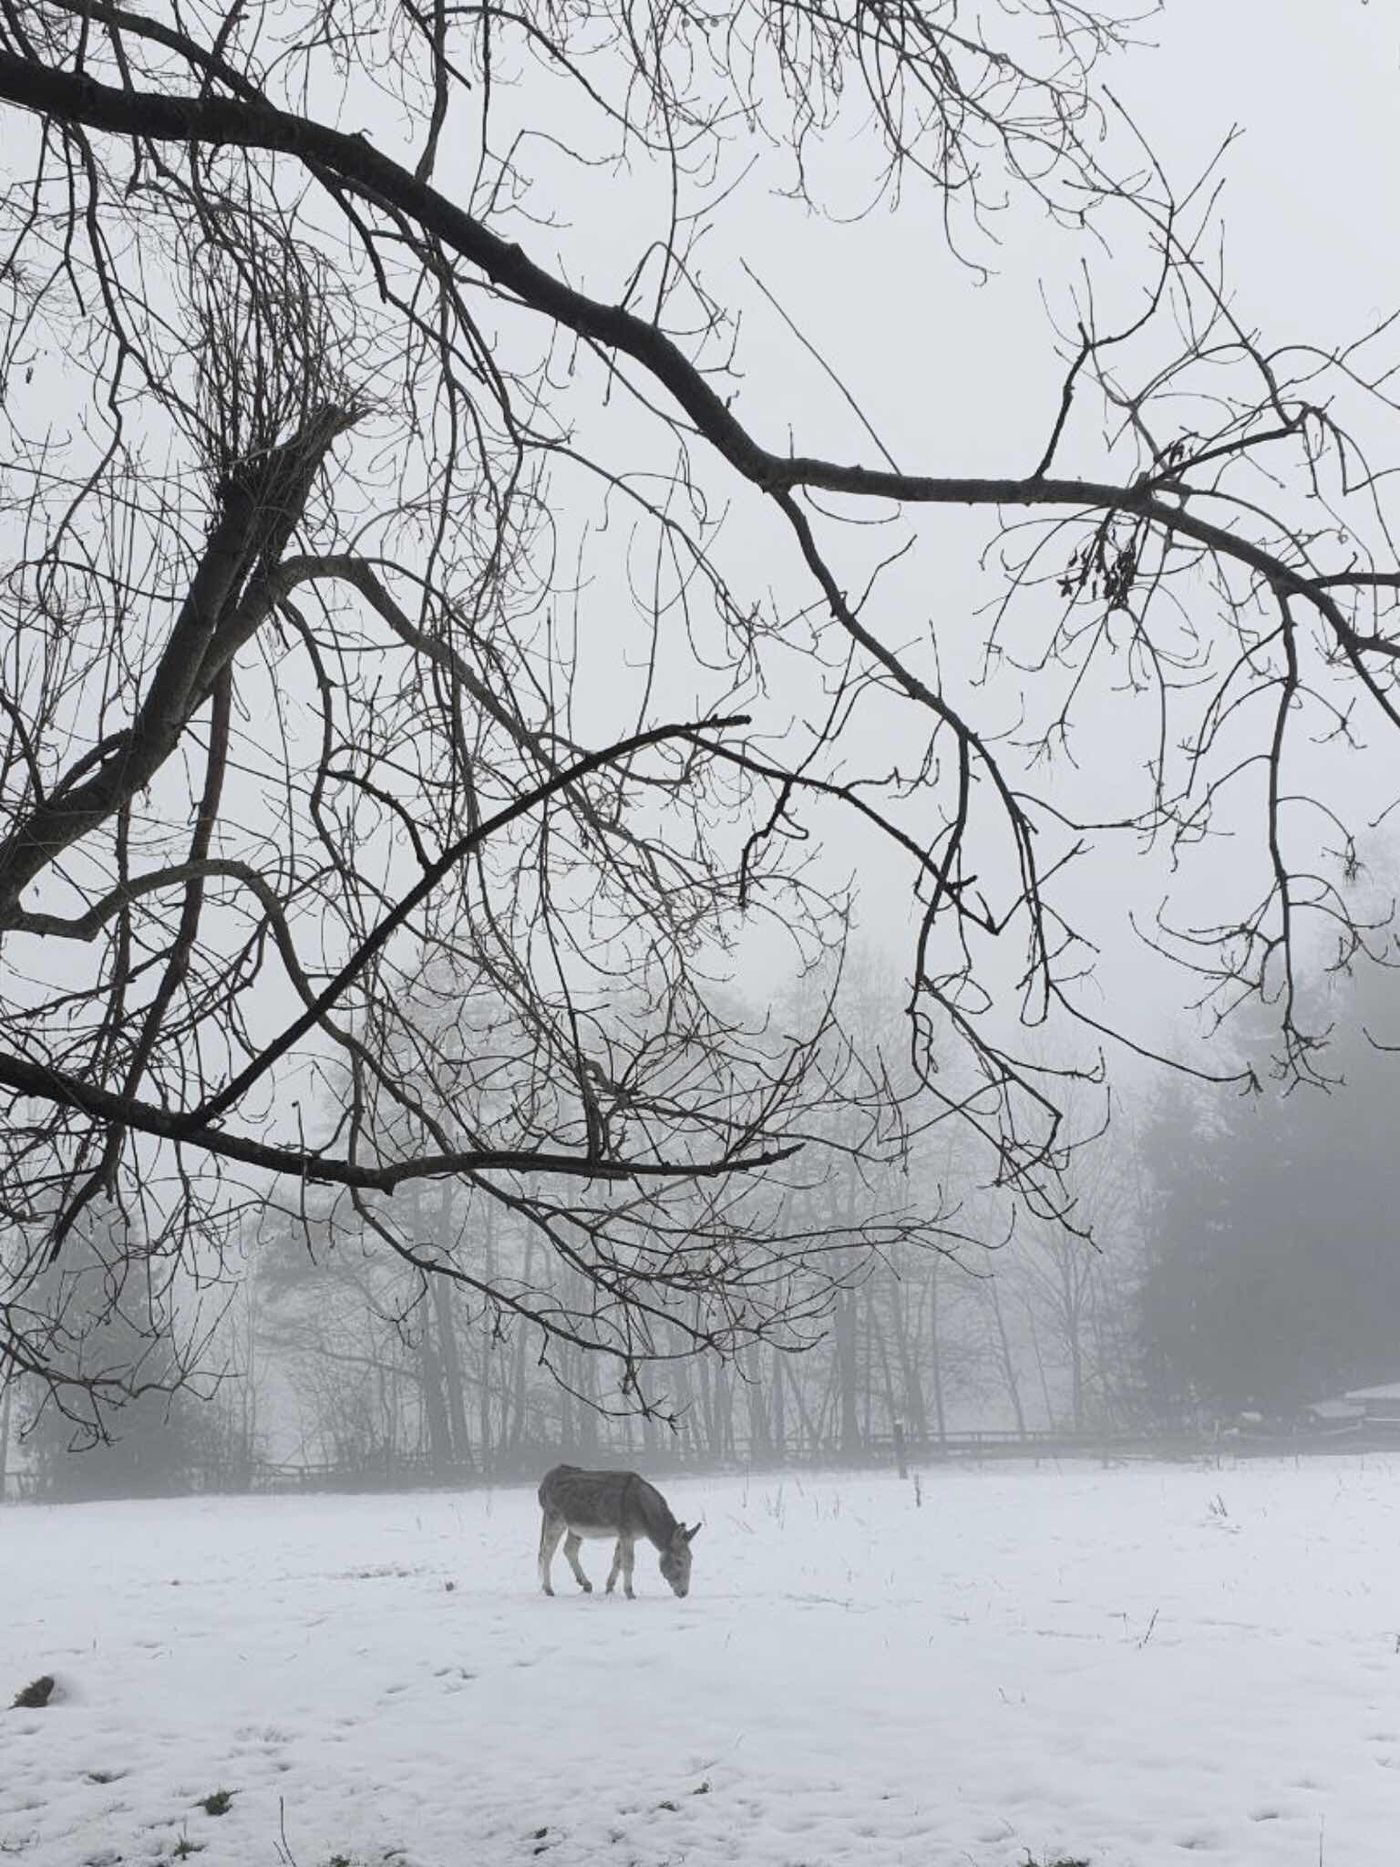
606, 1504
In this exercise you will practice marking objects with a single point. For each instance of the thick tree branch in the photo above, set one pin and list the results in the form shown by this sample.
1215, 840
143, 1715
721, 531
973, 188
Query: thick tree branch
241, 123
60, 1090
259, 508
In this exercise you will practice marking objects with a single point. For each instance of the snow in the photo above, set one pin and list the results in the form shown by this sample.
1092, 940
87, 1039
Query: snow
1120, 1665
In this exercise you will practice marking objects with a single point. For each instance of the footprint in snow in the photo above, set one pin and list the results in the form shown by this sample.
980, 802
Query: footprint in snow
254, 1737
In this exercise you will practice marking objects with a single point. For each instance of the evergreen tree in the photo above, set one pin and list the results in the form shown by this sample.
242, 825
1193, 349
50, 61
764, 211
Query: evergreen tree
1273, 1271
111, 1322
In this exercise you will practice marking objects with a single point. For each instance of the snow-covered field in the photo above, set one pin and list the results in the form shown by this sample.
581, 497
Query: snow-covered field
1119, 1666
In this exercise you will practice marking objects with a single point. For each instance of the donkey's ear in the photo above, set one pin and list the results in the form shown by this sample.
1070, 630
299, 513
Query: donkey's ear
692, 1533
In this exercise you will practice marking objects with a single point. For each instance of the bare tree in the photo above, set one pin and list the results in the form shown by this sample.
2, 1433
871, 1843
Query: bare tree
350, 832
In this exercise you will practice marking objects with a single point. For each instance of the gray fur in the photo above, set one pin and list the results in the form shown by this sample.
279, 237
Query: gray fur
621, 1505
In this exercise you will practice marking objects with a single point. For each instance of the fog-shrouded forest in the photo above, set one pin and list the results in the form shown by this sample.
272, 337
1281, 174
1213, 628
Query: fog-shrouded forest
1228, 1266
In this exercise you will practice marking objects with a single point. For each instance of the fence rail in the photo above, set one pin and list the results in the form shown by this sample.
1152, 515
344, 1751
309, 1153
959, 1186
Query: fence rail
882, 1452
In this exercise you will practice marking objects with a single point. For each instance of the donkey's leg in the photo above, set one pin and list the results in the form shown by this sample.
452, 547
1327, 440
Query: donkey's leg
551, 1529
571, 1549
616, 1568
629, 1558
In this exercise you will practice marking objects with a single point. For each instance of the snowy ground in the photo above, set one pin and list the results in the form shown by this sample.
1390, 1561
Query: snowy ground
1119, 1666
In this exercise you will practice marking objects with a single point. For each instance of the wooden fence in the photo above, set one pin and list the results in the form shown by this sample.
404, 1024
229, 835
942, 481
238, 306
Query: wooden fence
891, 1452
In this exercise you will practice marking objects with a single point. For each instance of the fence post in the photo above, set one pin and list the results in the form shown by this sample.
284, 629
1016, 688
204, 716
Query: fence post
899, 1449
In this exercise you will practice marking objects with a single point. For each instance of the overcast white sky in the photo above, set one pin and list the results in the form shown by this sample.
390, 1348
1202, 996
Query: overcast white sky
961, 378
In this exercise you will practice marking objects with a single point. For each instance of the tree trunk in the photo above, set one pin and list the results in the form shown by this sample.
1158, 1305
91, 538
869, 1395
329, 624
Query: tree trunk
709, 1407
724, 1406
809, 1430
1008, 1365
248, 1410
1040, 1364
518, 1385
391, 1414
892, 1410
1072, 1297
847, 1373
760, 1444
915, 1409
868, 1422
936, 1358
587, 1413
450, 1357
685, 1420
5, 1403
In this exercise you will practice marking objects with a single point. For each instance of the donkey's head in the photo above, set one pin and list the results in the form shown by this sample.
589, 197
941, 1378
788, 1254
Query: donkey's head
675, 1558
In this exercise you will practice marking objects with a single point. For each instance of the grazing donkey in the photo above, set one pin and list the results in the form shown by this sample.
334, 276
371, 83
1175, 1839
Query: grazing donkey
577, 1504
